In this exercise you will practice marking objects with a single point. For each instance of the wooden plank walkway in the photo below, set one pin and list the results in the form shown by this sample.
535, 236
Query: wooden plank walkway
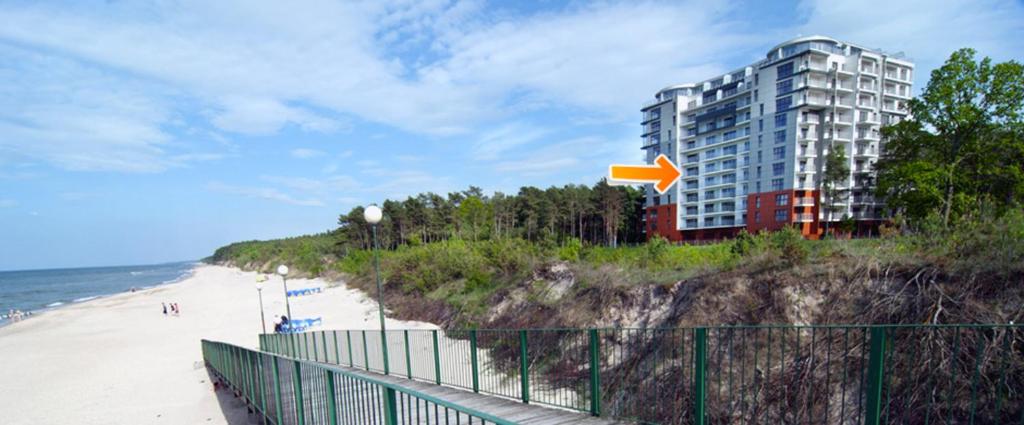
518, 412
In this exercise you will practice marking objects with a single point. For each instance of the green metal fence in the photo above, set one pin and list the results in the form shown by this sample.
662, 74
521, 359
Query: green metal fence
290, 391
905, 374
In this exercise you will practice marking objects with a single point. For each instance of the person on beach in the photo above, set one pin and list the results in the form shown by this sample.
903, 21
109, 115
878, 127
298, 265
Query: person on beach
165, 308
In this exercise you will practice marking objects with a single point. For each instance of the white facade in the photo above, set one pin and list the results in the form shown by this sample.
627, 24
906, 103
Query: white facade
765, 129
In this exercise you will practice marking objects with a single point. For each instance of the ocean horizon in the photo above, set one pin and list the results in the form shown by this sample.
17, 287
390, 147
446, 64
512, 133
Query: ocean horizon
44, 289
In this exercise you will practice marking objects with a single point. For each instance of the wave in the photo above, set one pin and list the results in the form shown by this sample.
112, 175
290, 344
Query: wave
135, 273
58, 303
84, 299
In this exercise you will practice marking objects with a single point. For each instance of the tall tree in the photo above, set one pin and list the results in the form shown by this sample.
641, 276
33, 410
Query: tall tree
834, 180
962, 143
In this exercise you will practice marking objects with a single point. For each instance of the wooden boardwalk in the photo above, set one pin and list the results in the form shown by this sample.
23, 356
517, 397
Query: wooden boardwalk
518, 412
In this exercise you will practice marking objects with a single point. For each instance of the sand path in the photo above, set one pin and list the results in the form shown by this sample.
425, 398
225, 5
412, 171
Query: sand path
119, 360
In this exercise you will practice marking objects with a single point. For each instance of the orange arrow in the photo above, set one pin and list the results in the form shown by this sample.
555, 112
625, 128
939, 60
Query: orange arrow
663, 174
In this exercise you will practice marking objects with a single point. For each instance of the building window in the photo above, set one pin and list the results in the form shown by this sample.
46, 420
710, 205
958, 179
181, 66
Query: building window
780, 215
710, 140
757, 202
783, 87
709, 221
780, 120
776, 184
709, 194
783, 103
778, 168
729, 192
691, 144
782, 199
784, 70
710, 181
757, 216
762, 109
780, 136
779, 152
760, 125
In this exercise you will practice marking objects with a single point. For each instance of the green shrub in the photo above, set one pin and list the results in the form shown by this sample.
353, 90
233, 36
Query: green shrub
790, 244
570, 250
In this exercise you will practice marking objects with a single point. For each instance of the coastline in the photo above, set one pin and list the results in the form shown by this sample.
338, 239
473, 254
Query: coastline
118, 359
30, 314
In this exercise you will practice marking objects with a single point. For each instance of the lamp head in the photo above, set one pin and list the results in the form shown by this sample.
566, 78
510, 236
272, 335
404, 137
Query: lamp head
282, 270
373, 214
259, 284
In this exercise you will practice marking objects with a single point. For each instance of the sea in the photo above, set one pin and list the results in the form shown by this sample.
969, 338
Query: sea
39, 290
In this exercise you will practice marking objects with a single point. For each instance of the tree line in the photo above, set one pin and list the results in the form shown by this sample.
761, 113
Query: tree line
960, 153
601, 214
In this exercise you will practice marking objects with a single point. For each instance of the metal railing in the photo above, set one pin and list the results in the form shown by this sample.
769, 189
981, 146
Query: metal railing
288, 391
832, 374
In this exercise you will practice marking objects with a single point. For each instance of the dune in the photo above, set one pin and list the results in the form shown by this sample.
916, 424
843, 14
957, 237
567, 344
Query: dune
120, 360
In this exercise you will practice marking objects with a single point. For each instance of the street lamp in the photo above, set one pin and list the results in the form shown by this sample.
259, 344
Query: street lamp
283, 271
372, 214
259, 290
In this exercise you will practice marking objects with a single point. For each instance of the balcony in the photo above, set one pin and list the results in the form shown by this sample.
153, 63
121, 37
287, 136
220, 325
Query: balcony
803, 218
868, 119
804, 202
864, 199
809, 119
867, 215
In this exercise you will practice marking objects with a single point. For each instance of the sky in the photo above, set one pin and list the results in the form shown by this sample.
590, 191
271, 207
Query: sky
152, 131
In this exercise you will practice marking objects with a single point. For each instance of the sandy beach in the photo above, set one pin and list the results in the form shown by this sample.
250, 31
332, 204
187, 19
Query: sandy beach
119, 360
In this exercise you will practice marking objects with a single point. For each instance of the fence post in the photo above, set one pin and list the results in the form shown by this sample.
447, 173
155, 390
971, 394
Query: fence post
876, 372
315, 356
300, 409
366, 355
595, 373
323, 337
408, 360
700, 363
348, 338
332, 408
384, 352
472, 355
263, 386
437, 360
524, 368
337, 349
390, 407
277, 391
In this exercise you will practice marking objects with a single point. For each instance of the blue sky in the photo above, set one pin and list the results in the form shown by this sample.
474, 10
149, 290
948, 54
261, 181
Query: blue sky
140, 132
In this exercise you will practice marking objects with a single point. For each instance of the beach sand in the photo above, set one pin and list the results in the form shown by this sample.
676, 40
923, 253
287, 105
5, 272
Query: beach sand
119, 360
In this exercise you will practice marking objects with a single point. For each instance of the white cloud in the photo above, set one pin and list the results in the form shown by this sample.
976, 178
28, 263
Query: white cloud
926, 30
106, 85
304, 153
492, 144
267, 193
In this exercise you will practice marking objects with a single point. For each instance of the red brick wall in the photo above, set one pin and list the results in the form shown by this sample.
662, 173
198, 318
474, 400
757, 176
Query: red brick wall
767, 208
666, 222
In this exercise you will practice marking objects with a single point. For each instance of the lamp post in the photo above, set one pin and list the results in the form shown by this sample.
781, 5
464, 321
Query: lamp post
259, 290
372, 214
283, 271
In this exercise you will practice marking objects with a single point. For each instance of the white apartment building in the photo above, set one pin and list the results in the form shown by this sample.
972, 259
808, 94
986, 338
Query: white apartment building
751, 143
